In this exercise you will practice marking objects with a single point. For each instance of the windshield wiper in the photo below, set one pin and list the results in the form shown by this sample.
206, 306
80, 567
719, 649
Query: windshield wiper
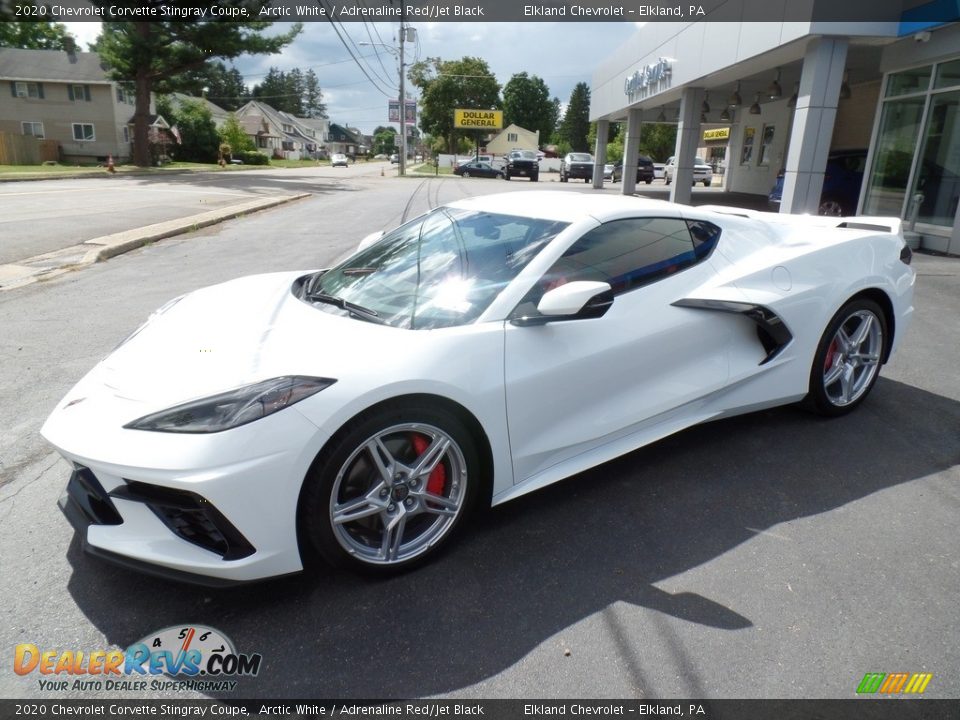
356, 310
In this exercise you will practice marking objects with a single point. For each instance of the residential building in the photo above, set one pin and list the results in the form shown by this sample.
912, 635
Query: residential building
514, 137
279, 133
342, 139
66, 97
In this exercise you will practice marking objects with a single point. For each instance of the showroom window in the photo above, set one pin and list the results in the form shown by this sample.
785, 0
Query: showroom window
916, 151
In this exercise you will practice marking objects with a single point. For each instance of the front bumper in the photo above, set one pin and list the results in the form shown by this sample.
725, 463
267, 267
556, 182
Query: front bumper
214, 509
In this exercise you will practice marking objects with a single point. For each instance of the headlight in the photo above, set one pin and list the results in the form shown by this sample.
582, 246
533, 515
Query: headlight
234, 407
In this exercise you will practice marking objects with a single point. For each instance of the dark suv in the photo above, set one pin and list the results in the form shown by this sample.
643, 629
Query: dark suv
576, 165
841, 184
644, 169
522, 163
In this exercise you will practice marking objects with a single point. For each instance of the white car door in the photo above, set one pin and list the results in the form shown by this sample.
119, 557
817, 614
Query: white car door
576, 385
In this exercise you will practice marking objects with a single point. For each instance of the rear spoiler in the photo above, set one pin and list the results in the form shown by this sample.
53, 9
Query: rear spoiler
891, 225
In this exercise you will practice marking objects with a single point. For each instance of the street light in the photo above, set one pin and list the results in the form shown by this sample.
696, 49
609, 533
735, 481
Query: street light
403, 99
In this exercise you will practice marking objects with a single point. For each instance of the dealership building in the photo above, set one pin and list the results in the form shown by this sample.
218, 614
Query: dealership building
760, 97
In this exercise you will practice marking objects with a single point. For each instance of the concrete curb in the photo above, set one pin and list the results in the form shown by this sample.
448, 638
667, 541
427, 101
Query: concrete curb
58, 262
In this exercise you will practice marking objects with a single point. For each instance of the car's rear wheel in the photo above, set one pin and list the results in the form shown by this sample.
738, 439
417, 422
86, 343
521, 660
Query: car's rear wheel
466, 173
506, 176
831, 207
848, 358
563, 178
666, 180
389, 491
534, 178
648, 181
706, 183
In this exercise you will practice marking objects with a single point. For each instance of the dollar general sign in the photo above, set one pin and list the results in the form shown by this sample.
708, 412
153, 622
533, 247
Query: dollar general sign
478, 119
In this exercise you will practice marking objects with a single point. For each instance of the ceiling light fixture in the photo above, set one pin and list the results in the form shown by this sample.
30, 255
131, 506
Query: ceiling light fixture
735, 100
755, 108
774, 91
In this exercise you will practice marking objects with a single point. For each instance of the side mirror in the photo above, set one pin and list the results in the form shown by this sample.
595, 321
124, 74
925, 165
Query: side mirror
577, 300
369, 240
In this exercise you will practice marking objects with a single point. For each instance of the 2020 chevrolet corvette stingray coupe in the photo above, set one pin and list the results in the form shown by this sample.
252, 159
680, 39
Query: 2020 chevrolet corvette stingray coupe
481, 351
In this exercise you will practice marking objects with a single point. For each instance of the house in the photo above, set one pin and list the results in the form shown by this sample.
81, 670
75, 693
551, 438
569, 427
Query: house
217, 113
279, 133
514, 137
342, 139
68, 98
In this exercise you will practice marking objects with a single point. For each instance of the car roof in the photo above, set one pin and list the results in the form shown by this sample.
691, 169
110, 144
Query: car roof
559, 205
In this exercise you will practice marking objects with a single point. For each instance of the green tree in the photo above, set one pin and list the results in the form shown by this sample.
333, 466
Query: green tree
526, 102
658, 140
46, 35
576, 121
313, 105
384, 140
234, 135
199, 140
449, 84
156, 54
218, 84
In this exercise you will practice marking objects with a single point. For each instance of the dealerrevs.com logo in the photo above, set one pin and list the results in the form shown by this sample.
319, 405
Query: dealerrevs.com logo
192, 657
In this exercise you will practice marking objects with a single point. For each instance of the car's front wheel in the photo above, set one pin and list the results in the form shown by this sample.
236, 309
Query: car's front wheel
831, 207
466, 173
390, 490
848, 358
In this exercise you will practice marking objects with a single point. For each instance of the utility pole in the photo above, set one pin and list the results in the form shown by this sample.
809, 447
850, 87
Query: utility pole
403, 99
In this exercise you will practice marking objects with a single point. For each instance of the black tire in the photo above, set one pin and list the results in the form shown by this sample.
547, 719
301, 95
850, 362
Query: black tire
586, 180
706, 183
506, 176
831, 396
831, 208
345, 470
534, 178
500, 175
563, 178
650, 180
466, 173
666, 180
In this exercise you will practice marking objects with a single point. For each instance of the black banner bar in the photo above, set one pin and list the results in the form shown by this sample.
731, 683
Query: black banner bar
852, 709
414, 11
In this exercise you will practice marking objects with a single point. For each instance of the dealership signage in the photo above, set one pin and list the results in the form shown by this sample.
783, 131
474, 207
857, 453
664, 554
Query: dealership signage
478, 119
648, 80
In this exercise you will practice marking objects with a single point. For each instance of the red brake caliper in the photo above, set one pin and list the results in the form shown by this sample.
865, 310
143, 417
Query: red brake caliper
438, 478
830, 351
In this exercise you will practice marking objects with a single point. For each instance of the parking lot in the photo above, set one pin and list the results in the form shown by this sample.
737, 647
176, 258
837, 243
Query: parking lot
771, 555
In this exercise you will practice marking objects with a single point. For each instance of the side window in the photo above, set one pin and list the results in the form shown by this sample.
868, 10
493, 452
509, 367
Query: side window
627, 254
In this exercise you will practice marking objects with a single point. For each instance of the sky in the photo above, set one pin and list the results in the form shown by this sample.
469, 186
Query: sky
562, 54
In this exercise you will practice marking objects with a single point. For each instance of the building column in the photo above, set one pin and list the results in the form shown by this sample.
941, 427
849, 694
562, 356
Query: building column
600, 154
813, 119
688, 136
631, 150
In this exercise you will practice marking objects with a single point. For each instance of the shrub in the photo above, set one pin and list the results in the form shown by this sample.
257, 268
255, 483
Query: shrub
251, 157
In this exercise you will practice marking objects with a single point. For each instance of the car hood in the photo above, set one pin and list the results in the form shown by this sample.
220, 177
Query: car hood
230, 335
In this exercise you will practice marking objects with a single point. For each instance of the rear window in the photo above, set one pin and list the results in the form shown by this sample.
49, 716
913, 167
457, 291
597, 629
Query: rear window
580, 157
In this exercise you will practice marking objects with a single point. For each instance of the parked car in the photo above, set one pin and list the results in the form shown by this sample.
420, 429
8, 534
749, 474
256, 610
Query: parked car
612, 172
841, 184
477, 169
644, 169
287, 435
658, 171
576, 165
339, 160
522, 163
702, 172
395, 158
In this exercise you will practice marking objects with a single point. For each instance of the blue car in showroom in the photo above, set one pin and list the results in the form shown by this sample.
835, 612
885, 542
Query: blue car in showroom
841, 184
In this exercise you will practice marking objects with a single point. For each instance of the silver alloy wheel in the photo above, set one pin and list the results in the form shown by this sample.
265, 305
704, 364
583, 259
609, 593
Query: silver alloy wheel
853, 358
392, 500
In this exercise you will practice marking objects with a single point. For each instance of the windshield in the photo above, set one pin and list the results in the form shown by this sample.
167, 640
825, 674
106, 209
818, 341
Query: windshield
440, 270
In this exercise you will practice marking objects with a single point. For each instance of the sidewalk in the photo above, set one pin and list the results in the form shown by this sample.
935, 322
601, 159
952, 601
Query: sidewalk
53, 264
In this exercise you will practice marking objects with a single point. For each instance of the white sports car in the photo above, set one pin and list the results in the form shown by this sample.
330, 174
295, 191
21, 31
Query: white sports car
486, 349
